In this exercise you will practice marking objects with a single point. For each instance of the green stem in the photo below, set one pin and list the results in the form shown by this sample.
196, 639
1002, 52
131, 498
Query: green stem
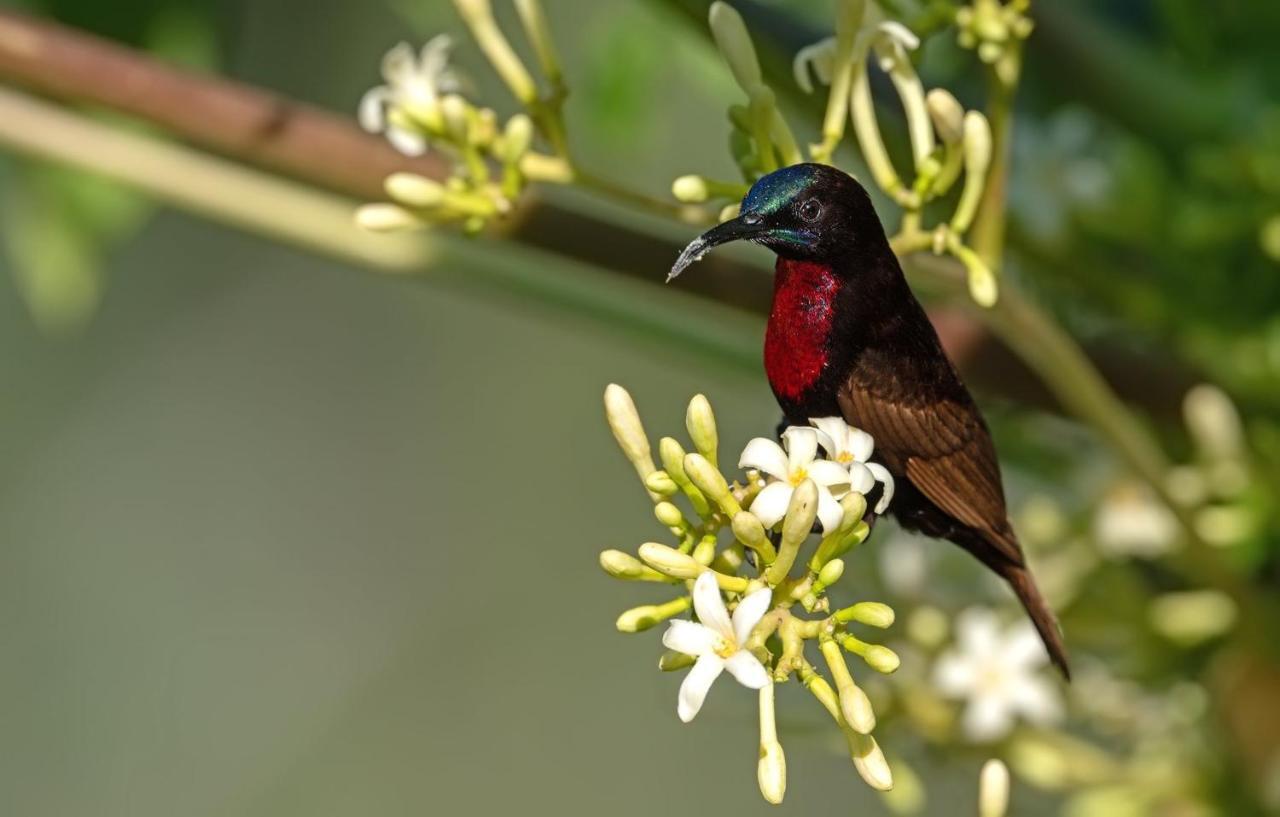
987, 235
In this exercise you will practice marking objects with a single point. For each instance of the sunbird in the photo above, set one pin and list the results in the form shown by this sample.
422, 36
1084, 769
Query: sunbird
847, 337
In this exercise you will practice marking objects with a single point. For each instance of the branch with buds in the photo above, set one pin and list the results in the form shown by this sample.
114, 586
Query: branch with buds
736, 560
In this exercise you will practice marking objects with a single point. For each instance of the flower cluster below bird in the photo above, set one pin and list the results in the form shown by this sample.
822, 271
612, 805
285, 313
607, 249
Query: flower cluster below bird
737, 562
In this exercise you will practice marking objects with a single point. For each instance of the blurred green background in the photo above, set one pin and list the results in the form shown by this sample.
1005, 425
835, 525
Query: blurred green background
285, 536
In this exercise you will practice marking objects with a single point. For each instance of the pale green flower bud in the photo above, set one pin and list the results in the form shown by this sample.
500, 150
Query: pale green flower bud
734, 42
750, 532
771, 773
711, 482
977, 158
660, 483
690, 189
947, 115
831, 572
670, 561
796, 525
871, 613
881, 659
672, 455
669, 515
622, 565
855, 706
413, 190
993, 789
870, 762
1213, 421
670, 661
385, 218
701, 423
642, 618
516, 138
1193, 616
624, 421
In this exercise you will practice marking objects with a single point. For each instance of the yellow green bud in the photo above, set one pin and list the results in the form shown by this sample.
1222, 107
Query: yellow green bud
771, 772
516, 138
870, 762
977, 158
670, 661
701, 423
871, 613
710, 481
385, 218
855, 706
624, 421
947, 114
831, 572
622, 565
414, 190
881, 659
690, 189
642, 618
993, 789
669, 515
660, 483
670, 561
734, 42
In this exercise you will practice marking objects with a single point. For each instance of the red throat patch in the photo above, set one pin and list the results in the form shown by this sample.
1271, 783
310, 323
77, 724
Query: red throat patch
795, 340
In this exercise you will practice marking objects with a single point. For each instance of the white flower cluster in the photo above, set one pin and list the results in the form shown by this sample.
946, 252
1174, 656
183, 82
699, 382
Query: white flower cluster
786, 497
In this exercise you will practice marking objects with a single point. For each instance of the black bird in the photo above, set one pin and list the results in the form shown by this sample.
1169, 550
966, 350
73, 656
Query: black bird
846, 337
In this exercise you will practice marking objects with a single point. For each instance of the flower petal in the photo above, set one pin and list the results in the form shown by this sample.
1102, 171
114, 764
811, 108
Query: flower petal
978, 633
694, 688
802, 446
748, 670
748, 614
1035, 699
882, 476
820, 55
954, 675
434, 57
832, 434
710, 606
406, 141
371, 113
827, 474
987, 717
770, 505
689, 637
829, 511
860, 444
399, 65
1021, 647
861, 480
764, 455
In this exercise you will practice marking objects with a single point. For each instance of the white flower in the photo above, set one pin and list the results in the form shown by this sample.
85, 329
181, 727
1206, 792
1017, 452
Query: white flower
996, 672
716, 641
791, 468
414, 84
1131, 521
821, 57
851, 447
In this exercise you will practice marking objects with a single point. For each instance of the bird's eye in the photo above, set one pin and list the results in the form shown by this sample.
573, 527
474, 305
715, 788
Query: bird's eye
810, 210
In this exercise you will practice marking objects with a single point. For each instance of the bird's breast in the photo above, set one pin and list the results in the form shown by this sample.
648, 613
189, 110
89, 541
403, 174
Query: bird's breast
795, 340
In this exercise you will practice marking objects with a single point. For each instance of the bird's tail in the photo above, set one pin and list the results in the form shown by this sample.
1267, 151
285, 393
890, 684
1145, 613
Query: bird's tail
1046, 623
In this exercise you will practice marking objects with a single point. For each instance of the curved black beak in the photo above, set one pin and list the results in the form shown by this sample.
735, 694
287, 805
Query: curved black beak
743, 228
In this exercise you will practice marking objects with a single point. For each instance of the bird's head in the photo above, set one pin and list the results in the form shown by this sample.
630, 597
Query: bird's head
808, 212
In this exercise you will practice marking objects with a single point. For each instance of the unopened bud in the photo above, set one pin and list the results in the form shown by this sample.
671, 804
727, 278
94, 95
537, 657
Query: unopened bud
881, 659
624, 421
947, 115
690, 189
701, 423
855, 707
710, 481
734, 42
622, 565
454, 109
414, 190
661, 483
385, 218
516, 137
871, 613
977, 158
642, 618
772, 772
669, 515
670, 561
831, 572
870, 762
672, 455
670, 661
993, 789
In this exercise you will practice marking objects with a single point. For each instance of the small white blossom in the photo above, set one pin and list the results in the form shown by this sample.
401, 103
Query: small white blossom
852, 447
820, 58
414, 84
791, 468
716, 640
1131, 521
996, 671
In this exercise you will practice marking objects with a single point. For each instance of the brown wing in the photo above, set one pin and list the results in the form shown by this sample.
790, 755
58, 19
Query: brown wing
942, 446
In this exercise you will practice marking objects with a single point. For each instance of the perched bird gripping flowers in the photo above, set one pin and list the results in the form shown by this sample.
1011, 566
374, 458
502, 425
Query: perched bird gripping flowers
846, 337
